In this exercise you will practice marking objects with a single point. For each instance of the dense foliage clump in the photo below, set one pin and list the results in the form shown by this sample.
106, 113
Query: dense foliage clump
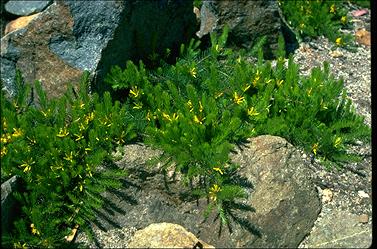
313, 18
56, 148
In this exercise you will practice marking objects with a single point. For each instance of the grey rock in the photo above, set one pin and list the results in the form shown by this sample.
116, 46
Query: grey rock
72, 36
248, 21
340, 230
285, 201
8, 203
25, 8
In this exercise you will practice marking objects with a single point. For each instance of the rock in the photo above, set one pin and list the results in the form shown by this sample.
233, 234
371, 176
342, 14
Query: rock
25, 8
247, 21
286, 202
19, 23
285, 199
340, 229
336, 53
72, 36
197, 14
363, 37
327, 195
362, 194
165, 235
364, 218
8, 203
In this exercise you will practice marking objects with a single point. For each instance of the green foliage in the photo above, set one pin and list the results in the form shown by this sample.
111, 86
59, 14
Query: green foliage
56, 147
313, 18
362, 3
198, 108
198, 3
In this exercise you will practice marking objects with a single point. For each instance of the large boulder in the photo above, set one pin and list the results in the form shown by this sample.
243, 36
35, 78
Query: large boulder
72, 36
165, 235
248, 21
286, 202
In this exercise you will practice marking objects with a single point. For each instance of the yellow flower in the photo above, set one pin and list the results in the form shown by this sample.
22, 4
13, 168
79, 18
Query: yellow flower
69, 157
82, 105
5, 138
62, 132
138, 106
238, 59
219, 95
199, 119
193, 72
309, 92
3, 151
268, 81
34, 230
150, 116
255, 81
27, 165
173, 117
315, 148
200, 106
5, 125
323, 105
339, 41
302, 25
332, 8
238, 99
18, 245
213, 192
17, 132
166, 116
245, 88
279, 82
337, 142
57, 166
105, 121
45, 114
218, 170
252, 112
343, 19
82, 127
190, 106
89, 117
78, 137
135, 92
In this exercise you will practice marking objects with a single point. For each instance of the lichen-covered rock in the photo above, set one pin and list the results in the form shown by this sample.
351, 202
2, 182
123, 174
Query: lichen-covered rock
165, 235
248, 21
72, 36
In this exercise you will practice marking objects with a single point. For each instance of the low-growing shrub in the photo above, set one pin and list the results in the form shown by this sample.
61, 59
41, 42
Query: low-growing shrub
57, 148
197, 110
313, 18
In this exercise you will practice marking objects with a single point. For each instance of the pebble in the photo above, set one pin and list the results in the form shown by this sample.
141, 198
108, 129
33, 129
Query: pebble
364, 218
336, 54
362, 194
327, 195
